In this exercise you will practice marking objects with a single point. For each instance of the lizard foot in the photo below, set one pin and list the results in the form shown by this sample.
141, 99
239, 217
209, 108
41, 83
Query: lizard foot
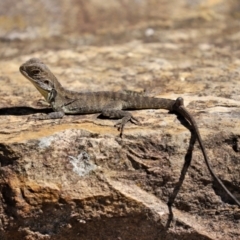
120, 126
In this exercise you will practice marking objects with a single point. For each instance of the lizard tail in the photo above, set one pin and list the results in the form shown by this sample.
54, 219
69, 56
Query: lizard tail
179, 107
141, 102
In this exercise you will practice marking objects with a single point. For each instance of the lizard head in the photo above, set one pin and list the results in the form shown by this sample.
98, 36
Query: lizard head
39, 75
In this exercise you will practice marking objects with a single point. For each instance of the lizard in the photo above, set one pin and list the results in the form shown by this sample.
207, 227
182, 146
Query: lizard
109, 104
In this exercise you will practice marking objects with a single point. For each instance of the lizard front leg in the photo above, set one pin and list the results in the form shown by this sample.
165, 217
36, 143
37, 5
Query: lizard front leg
114, 110
52, 115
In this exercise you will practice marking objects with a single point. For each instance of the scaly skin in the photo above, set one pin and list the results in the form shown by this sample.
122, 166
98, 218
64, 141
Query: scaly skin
109, 104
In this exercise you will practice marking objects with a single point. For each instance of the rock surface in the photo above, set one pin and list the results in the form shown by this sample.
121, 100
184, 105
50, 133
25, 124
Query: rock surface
76, 179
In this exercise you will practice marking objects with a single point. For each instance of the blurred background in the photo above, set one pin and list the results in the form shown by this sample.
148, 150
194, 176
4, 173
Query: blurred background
27, 25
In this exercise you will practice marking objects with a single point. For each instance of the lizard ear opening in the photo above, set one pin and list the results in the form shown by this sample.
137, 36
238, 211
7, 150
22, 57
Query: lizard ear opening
48, 83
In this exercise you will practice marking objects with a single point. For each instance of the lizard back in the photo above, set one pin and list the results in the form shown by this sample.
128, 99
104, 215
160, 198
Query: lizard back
128, 100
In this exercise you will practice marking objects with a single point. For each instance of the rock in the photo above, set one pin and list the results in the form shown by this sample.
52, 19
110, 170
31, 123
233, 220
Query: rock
75, 178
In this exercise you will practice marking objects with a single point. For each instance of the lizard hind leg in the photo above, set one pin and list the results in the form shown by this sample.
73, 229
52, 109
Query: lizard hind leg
114, 111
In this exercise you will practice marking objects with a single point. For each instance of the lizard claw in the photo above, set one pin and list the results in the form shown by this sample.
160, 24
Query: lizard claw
120, 127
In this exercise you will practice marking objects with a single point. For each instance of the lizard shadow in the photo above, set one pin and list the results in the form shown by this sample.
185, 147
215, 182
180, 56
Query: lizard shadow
187, 162
21, 110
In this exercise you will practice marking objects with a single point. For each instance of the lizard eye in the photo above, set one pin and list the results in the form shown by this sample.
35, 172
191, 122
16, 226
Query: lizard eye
35, 71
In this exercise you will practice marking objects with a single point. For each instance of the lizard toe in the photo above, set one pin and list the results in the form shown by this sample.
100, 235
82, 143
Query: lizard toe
135, 121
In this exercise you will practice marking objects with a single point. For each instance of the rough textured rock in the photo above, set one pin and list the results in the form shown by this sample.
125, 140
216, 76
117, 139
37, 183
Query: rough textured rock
76, 179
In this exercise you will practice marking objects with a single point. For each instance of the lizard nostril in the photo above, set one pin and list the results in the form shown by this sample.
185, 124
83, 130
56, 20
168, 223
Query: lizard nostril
22, 68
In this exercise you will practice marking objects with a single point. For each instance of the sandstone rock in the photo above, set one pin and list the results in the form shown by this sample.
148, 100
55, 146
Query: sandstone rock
75, 178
